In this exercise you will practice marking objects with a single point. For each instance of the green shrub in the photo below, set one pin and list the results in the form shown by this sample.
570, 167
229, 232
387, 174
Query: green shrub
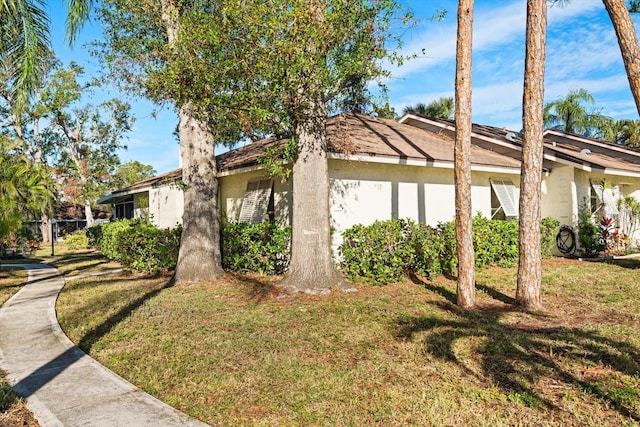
94, 235
262, 248
428, 245
589, 233
549, 228
386, 251
495, 242
146, 248
108, 243
378, 253
76, 240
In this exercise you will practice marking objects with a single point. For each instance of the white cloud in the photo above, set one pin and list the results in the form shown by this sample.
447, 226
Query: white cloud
582, 52
494, 27
595, 86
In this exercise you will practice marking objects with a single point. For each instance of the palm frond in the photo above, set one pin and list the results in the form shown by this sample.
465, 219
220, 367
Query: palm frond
78, 14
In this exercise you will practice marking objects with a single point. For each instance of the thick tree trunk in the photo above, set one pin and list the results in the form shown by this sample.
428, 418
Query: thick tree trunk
628, 41
311, 268
200, 259
462, 153
528, 291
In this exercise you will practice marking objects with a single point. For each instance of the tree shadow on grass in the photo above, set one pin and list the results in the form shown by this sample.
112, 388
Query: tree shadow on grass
440, 290
452, 297
630, 263
93, 335
47, 372
260, 288
520, 358
96, 259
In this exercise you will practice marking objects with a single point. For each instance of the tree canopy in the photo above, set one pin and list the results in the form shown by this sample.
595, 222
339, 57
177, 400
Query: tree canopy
130, 173
237, 67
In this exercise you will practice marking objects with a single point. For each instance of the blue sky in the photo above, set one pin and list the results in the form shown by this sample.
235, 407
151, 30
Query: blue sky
582, 52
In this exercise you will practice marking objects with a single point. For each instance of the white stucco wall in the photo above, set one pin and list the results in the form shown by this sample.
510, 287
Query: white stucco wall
166, 205
364, 192
559, 197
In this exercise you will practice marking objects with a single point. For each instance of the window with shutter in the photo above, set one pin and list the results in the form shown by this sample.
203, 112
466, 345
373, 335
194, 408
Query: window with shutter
605, 199
256, 201
506, 194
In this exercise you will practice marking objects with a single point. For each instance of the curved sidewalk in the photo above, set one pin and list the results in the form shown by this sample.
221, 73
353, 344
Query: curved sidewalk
63, 386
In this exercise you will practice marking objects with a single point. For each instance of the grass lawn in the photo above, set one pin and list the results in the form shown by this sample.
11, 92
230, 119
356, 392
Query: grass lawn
235, 352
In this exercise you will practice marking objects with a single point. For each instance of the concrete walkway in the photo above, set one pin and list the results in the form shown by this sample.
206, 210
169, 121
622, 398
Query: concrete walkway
63, 386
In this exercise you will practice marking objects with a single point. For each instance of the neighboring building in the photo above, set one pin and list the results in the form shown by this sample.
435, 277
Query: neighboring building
578, 171
157, 199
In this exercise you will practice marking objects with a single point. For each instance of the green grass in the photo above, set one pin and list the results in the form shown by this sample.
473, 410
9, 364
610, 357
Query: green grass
11, 280
237, 353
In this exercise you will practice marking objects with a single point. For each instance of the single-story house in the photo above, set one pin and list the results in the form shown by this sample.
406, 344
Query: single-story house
378, 169
158, 199
381, 169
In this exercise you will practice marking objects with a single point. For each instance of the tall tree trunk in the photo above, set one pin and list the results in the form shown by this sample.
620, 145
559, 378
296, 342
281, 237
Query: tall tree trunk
311, 268
45, 229
88, 213
528, 291
462, 152
628, 41
200, 259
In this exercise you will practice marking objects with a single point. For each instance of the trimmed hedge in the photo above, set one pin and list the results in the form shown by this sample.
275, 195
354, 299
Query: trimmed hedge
262, 248
141, 246
383, 252
386, 251
108, 243
144, 247
137, 244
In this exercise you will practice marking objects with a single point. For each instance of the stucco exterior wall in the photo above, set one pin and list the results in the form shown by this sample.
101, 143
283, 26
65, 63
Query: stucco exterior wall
559, 198
166, 205
364, 192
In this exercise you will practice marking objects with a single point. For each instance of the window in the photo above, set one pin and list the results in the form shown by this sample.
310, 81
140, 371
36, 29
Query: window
504, 199
124, 209
603, 198
255, 204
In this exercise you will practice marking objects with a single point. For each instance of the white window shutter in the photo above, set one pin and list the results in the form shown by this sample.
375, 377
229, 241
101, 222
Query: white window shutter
608, 198
256, 201
506, 193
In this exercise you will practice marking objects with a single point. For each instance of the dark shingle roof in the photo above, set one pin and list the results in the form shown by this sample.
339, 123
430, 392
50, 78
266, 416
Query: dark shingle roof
359, 135
557, 144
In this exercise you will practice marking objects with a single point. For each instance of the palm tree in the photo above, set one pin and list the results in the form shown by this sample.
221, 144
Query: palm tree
572, 114
25, 40
441, 108
629, 132
25, 188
